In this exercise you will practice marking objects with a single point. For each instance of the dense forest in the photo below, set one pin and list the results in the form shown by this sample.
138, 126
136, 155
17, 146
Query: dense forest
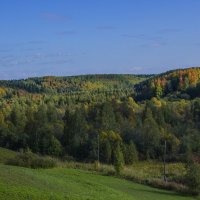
130, 114
184, 83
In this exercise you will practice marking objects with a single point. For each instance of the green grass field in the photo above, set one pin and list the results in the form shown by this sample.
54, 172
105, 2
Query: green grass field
18, 183
6, 154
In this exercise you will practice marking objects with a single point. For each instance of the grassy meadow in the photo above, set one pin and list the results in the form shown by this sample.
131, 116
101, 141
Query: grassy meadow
60, 183
79, 181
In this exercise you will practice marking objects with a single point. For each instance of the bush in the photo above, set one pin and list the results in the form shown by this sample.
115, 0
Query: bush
96, 165
68, 158
30, 160
55, 147
43, 163
193, 177
118, 160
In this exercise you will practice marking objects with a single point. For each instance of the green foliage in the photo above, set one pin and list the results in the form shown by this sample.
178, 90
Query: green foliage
108, 118
118, 159
92, 84
184, 81
55, 147
130, 154
61, 116
30, 160
106, 151
150, 135
193, 176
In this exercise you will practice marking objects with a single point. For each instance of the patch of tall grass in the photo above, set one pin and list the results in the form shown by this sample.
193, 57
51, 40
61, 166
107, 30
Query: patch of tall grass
148, 173
30, 160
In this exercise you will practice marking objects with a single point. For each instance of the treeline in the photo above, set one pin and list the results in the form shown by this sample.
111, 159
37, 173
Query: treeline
71, 90
73, 84
72, 130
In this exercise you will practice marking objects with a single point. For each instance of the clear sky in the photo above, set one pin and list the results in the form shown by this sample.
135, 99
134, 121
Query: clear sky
71, 37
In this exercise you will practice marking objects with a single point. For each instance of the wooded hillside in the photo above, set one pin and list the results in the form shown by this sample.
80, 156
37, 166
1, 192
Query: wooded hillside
63, 116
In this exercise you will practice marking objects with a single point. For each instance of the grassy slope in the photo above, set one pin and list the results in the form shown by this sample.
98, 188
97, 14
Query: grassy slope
6, 154
59, 183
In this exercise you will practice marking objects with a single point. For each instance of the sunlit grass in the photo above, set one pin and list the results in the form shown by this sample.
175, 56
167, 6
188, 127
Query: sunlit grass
18, 183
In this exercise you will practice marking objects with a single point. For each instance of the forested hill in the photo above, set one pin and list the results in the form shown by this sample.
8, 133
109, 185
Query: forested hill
184, 83
73, 84
61, 116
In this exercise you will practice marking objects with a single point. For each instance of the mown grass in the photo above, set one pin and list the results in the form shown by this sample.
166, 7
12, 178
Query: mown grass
61, 183
147, 173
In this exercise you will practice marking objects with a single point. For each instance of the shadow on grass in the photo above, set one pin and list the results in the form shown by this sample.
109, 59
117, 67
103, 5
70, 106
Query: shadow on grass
163, 192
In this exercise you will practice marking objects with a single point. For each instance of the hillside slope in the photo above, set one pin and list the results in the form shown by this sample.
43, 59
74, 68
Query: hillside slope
22, 184
51, 84
67, 123
183, 81
6, 154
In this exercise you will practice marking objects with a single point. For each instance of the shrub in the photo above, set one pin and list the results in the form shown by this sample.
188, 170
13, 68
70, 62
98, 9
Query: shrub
43, 163
118, 160
96, 165
55, 147
68, 158
30, 160
193, 177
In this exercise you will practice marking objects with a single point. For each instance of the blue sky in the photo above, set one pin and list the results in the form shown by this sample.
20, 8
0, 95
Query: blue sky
71, 37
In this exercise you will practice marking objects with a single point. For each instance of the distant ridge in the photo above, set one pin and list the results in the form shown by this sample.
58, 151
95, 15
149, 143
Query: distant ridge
96, 82
179, 80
